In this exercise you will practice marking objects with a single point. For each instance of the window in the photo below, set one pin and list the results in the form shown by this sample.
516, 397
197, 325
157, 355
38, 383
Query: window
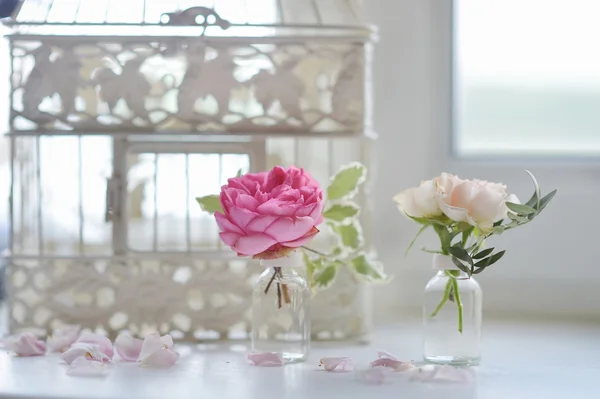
527, 77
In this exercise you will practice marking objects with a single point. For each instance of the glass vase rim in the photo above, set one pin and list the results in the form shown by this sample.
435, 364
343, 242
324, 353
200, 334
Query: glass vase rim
443, 262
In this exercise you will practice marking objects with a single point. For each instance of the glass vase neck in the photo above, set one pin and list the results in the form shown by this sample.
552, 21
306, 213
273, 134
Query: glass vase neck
292, 260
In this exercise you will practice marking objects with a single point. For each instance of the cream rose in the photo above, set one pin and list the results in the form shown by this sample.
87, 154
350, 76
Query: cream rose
420, 202
477, 202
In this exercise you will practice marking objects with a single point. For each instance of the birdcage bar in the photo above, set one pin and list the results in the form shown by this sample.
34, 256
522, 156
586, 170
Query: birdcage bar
38, 175
155, 217
80, 194
11, 200
188, 222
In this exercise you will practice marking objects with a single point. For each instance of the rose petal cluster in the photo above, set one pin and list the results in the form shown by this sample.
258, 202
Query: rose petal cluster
267, 215
476, 202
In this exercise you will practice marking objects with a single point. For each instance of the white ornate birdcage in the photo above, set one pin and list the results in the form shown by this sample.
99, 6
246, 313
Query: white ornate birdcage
122, 112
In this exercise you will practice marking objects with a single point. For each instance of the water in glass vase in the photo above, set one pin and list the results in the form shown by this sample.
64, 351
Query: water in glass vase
281, 313
452, 316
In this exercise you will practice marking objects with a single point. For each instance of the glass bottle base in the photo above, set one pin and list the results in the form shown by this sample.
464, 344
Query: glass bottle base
293, 357
453, 361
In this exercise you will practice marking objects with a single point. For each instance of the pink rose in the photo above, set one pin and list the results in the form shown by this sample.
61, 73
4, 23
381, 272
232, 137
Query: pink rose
267, 215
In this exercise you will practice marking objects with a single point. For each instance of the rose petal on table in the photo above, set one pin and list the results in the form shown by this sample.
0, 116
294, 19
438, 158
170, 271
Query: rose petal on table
82, 367
153, 343
81, 349
163, 357
386, 355
62, 338
396, 365
445, 373
266, 359
167, 340
128, 347
25, 344
103, 342
337, 364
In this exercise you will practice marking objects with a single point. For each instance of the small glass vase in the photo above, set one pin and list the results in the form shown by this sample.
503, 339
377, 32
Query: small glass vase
452, 316
281, 311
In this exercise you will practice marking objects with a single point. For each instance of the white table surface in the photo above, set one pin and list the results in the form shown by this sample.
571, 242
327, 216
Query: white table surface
521, 360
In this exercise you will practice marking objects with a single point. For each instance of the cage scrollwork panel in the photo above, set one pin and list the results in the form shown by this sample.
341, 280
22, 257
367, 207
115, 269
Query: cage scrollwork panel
187, 85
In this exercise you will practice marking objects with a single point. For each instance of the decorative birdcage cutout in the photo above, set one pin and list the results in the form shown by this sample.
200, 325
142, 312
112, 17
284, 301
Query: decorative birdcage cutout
122, 114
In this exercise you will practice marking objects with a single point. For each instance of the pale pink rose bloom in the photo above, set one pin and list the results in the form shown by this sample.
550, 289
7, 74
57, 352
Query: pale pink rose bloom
62, 338
25, 344
128, 347
157, 351
337, 364
267, 215
419, 202
103, 342
266, 359
476, 202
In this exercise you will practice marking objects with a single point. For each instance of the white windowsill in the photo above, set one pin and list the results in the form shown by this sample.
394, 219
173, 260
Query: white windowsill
521, 360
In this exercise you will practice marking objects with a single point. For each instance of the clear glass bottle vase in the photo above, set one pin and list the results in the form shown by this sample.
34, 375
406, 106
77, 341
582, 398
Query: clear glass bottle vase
281, 312
452, 316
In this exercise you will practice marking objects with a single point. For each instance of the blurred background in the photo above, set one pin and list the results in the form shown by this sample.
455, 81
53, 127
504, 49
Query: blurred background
483, 89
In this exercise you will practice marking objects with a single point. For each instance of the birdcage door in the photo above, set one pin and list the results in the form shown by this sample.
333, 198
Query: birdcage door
151, 195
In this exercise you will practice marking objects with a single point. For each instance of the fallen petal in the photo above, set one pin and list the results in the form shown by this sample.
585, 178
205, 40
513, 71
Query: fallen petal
62, 338
337, 364
25, 344
441, 374
161, 358
88, 351
386, 355
103, 342
167, 340
266, 359
396, 365
152, 344
82, 367
128, 347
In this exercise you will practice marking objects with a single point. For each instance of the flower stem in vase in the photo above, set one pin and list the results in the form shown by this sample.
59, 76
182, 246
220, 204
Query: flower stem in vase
282, 289
453, 275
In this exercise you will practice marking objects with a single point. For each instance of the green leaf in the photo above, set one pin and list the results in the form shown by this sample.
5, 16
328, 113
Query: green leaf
341, 212
368, 268
461, 265
445, 236
483, 263
350, 234
534, 201
460, 253
210, 203
239, 173
518, 218
346, 181
483, 254
544, 201
498, 230
466, 234
496, 257
325, 277
415, 239
311, 267
520, 209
